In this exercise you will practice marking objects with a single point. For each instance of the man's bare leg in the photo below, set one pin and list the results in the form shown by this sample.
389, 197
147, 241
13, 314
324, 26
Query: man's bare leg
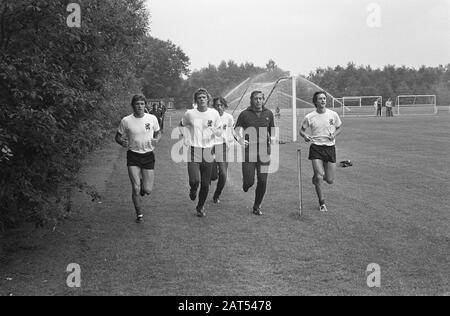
330, 172
148, 181
135, 177
318, 179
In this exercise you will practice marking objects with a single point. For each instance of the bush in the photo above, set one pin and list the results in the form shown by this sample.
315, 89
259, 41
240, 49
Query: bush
61, 90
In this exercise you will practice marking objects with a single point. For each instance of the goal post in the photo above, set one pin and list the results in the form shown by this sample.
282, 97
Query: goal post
294, 109
416, 105
358, 105
351, 101
280, 97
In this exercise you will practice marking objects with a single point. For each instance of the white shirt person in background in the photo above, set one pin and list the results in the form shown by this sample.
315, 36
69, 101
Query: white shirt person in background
137, 132
324, 125
222, 144
389, 112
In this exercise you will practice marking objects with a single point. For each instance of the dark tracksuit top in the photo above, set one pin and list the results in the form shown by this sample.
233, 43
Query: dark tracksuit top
249, 118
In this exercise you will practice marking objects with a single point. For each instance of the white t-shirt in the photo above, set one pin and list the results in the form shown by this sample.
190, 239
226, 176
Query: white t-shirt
228, 127
199, 127
388, 104
139, 132
322, 125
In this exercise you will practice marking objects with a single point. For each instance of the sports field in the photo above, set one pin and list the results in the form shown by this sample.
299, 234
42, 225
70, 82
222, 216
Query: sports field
391, 208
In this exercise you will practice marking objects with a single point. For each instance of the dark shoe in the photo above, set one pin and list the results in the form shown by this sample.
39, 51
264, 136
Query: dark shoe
257, 211
140, 219
216, 200
201, 212
193, 195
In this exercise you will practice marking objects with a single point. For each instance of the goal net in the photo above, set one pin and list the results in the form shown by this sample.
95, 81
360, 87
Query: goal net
282, 98
357, 105
416, 105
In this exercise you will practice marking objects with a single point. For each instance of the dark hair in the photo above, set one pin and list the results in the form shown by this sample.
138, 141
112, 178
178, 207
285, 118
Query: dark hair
316, 95
201, 91
138, 98
222, 100
255, 93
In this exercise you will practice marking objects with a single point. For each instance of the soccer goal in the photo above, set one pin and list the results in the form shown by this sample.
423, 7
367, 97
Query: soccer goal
289, 97
359, 105
416, 105
280, 98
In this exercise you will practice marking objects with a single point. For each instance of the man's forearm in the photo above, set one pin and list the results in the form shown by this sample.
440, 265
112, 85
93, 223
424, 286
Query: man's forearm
158, 136
118, 139
302, 133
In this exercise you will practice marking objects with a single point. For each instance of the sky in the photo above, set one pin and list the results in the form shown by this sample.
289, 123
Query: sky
302, 35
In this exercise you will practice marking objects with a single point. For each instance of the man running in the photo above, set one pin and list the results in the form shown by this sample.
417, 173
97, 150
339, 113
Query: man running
201, 126
325, 126
253, 130
137, 132
222, 143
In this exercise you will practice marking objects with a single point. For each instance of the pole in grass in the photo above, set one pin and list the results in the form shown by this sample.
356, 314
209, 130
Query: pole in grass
299, 174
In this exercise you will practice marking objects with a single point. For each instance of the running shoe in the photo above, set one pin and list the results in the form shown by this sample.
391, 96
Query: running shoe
140, 219
257, 211
201, 212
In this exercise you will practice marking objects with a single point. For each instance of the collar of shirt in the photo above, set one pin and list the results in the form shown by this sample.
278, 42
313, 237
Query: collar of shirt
250, 108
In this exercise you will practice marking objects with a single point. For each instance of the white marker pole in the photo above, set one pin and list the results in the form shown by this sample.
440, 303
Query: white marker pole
299, 174
294, 110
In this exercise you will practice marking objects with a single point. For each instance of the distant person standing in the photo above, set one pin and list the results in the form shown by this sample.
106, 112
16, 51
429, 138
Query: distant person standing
389, 112
254, 131
155, 110
278, 113
137, 132
325, 126
162, 109
202, 125
379, 106
222, 144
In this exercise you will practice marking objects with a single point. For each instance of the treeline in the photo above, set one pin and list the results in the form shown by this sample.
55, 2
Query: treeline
387, 82
62, 89
220, 79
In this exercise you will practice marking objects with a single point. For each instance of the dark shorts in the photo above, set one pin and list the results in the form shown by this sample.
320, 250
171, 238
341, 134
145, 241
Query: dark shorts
143, 161
324, 153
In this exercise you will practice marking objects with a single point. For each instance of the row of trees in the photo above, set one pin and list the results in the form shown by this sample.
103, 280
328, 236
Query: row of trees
351, 80
216, 79
62, 89
388, 82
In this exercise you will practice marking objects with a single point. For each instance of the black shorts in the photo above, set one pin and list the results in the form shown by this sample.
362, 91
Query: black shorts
324, 153
143, 161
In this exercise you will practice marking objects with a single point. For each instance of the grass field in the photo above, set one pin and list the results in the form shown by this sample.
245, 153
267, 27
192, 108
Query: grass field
391, 208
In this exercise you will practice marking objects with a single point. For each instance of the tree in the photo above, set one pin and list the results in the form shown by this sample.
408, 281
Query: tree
271, 65
217, 80
162, 68
65, 85
388, 81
